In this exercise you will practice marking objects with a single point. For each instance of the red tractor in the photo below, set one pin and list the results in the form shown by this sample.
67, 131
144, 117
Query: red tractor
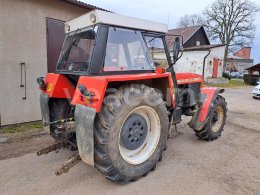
115, 96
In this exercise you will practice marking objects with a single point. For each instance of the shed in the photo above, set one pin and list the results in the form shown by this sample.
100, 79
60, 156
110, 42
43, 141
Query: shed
253, 75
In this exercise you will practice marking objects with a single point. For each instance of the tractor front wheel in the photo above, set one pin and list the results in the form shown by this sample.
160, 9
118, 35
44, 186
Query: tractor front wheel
130, 133
216, 122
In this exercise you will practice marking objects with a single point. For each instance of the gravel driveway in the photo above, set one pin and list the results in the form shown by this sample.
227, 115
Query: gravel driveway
229, 165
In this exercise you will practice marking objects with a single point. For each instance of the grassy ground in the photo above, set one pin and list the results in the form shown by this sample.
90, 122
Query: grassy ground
20, 128
233, 83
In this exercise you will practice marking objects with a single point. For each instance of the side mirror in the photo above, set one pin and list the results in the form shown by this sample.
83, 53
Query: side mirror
176, 49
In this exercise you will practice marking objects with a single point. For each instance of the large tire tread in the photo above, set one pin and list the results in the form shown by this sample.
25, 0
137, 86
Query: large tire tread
206, 133
102, 127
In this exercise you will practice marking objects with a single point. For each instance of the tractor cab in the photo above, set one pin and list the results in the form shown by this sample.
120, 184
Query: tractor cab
116, 99
105, 48
111, 44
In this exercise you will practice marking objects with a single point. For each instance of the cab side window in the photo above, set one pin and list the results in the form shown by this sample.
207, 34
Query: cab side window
157, 51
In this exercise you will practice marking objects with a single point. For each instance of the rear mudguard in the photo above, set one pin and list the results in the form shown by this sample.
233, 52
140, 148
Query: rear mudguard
44, 102
207, 98
84, 121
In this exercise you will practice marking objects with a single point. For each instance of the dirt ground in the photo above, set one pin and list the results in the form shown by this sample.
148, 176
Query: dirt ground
229, 165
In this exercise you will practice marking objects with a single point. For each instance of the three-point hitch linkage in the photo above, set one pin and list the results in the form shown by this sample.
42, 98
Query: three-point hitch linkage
72, 160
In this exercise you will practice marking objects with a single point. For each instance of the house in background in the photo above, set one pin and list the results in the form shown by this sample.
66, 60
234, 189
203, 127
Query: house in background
239, 61
192, 36
193, 59
197, 50
32, 32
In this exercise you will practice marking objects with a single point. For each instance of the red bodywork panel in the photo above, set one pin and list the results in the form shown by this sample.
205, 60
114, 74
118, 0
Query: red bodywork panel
97, 86
58, 86
185, 78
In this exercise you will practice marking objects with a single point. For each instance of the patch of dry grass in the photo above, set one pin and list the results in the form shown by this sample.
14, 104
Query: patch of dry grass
233, 83
23, 127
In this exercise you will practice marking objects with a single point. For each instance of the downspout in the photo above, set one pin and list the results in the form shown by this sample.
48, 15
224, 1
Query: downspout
204, 64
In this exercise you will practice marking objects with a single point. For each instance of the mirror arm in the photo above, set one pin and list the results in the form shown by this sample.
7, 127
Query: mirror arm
181, 49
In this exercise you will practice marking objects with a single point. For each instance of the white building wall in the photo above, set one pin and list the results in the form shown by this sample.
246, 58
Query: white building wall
192, 61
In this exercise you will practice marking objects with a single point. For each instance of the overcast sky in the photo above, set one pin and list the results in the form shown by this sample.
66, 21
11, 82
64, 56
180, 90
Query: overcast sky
169, 12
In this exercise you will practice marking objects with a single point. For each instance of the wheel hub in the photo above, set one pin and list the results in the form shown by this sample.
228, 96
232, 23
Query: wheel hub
215, 117
134, 132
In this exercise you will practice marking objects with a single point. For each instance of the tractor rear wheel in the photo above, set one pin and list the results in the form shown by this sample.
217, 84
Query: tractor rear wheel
130, 133
216, 122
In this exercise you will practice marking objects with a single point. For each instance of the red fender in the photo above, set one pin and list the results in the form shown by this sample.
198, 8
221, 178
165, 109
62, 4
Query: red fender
58, 86
207, 97
98, 85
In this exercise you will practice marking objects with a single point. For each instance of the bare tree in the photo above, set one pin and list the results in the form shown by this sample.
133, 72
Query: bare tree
190, 20
231, 22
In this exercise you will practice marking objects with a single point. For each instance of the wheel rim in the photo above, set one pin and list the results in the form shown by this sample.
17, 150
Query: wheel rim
217, 119
150, 137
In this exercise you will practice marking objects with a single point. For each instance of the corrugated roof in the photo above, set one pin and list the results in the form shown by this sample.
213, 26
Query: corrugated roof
254, 68
83, 4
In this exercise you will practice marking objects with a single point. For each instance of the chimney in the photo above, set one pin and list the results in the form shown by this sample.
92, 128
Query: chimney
244, 53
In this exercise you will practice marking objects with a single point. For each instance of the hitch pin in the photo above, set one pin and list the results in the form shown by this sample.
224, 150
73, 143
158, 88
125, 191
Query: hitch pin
58, 121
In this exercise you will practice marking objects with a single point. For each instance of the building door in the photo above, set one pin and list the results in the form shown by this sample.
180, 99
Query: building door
215, 68
55, 38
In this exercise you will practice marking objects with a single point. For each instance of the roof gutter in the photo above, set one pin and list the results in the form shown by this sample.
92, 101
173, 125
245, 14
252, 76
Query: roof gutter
204, 64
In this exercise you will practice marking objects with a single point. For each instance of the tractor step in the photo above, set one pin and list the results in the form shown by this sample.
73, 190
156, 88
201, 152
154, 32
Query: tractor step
53, 147
74, 159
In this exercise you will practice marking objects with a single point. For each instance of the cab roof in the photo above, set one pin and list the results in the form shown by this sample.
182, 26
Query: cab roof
103, 17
